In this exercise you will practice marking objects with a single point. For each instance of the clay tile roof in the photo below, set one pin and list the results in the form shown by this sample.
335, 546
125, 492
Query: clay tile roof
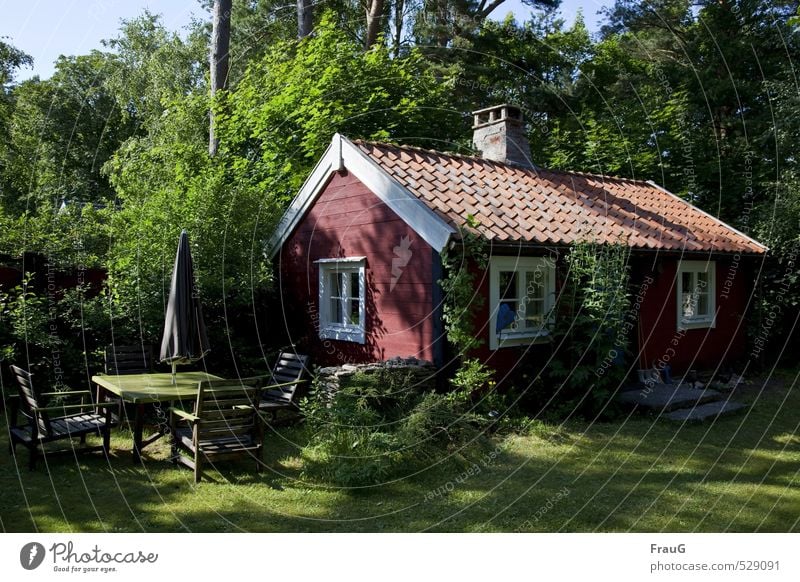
513, 204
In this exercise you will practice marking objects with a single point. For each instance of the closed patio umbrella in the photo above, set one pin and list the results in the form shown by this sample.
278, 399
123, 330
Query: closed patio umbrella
184, 339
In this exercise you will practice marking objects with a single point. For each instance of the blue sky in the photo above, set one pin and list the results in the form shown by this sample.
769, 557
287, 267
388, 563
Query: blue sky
46, 29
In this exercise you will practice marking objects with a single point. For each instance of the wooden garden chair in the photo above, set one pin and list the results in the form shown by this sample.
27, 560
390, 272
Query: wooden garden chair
286, 384
122, 361
223, 425
129, 359
43, 425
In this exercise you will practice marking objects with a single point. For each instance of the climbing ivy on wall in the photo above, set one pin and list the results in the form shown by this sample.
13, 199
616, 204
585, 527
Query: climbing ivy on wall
462, 300
590, 331
461, 263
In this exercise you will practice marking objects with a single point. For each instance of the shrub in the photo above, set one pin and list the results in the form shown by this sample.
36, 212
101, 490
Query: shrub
590, 330
35, 334
378, 423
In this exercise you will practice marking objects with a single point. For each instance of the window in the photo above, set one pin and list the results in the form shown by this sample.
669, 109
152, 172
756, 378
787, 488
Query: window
341, 299
696, 285
521, 295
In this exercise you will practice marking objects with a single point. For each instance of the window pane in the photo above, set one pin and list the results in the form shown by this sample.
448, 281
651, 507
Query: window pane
534, 314
702, 304
534, 284
355, 288
688, 303
686, 282
508, 285
336, 310
702, 281
335, 285
354, 309
507, 316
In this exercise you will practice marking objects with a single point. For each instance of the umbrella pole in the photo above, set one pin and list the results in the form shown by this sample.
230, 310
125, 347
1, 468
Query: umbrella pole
174, 381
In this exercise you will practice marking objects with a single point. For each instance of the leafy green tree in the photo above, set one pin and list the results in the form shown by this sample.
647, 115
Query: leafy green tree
11, 59
62, 130
285, 110
449, 23
150, 66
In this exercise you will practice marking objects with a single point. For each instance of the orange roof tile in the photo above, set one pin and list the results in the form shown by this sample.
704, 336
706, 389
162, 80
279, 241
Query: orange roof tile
513, 204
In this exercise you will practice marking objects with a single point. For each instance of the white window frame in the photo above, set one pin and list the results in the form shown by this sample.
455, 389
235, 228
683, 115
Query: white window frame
520, 265
698, 321
328, 329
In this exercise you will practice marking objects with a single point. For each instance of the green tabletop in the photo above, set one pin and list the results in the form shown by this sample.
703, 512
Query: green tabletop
144, 388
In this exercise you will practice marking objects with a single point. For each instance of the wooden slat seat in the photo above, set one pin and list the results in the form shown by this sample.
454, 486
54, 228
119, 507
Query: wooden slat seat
41, 426
223, 425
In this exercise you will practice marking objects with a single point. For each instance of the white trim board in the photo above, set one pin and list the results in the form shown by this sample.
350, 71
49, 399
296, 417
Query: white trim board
344, 154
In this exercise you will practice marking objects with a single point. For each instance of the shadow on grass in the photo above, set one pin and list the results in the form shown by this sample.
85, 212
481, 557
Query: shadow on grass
738, 474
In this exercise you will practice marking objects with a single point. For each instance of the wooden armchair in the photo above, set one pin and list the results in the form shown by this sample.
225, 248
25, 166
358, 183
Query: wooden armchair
286, 384
76, 420
223, 425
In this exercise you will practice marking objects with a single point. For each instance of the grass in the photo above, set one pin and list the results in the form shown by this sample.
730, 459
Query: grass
638, 474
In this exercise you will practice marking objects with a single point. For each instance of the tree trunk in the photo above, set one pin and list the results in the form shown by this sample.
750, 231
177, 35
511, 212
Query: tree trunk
399, 7
220, 46
443, 24
374, 17
305, 18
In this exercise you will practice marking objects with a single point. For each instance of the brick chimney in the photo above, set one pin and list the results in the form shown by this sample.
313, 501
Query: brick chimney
499, 135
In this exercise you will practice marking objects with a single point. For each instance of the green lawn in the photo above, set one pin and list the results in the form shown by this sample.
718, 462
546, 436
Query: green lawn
739, 474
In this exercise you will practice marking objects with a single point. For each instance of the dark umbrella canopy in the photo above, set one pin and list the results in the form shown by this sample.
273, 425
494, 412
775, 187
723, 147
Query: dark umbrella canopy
184, 339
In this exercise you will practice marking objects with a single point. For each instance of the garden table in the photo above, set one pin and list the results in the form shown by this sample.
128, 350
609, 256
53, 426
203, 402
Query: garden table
143, 389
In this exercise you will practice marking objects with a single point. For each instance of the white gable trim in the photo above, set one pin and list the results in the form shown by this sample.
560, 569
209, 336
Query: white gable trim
701, 211
344, 154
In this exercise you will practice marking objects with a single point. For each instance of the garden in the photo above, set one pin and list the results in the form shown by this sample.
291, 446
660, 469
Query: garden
103, 164
634, 474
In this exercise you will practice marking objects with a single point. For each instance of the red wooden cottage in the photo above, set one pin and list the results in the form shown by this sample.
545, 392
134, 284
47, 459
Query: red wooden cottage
358, 252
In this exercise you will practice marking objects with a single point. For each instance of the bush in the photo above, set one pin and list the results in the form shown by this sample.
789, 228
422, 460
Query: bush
36, 334
378, 423
590, 330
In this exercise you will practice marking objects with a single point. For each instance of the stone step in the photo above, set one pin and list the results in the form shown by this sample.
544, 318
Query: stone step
668, 397
705, 411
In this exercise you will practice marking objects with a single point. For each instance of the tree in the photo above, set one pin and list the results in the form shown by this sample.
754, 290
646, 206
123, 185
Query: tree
375, 9
286, 108
11, 59
62, 130
220, 52
305, 18
447, 23
151, 66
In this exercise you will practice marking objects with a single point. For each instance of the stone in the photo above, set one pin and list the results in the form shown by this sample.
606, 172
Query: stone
665, 397
705, 411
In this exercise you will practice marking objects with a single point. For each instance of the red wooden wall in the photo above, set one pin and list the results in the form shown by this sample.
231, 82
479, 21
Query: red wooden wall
702, 349
348, 220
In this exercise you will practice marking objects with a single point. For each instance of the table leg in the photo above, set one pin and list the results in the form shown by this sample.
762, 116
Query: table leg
138, 428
